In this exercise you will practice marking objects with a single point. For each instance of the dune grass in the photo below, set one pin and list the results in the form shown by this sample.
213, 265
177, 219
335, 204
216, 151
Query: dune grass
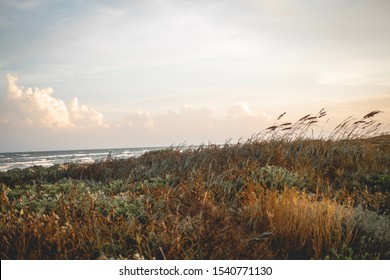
282, 194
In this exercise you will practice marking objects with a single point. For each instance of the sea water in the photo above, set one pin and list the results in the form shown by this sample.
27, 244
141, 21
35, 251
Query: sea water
48, 158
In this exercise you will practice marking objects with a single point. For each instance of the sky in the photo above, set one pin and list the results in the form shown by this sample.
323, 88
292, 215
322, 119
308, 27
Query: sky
109, 74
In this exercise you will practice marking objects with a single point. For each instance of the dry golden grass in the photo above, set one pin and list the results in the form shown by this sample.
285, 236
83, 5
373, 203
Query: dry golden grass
299, 224
190, 224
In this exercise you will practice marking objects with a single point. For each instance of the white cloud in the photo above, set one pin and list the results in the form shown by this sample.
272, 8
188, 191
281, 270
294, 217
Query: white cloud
38, 107
85, 116
240, 110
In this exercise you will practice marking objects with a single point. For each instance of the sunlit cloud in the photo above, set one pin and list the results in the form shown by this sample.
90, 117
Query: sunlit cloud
240, 110
85, 116
137, 120
36, 110
38, 107
195, 124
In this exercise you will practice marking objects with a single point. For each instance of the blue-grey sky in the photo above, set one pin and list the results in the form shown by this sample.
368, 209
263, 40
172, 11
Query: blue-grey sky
89, 74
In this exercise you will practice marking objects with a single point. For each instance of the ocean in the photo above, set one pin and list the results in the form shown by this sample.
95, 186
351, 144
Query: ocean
27, 159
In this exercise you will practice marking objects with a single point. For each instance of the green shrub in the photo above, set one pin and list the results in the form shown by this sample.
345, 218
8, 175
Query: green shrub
377, 181
276, 177
372, 233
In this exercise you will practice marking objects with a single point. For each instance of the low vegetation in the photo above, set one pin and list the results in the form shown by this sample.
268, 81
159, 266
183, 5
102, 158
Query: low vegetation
282, 194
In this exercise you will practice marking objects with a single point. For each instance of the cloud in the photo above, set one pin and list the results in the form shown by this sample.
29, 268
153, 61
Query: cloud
138, 120
85, 116
37, 107
240, 110
192, 124
188, 124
